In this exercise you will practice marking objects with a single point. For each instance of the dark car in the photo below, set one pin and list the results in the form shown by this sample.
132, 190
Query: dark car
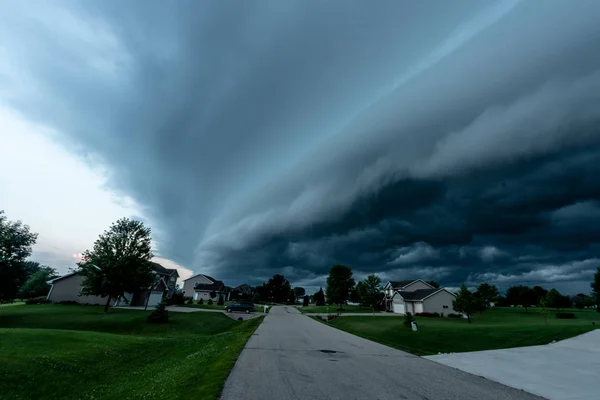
247, 307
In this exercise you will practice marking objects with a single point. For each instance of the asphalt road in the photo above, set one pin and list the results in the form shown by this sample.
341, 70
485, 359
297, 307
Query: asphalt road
292, 356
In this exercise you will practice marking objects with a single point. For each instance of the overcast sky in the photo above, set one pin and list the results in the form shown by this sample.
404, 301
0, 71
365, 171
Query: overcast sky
455, 141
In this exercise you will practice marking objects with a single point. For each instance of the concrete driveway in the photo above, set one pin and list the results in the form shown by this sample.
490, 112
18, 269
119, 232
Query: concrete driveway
292, 356
566, 370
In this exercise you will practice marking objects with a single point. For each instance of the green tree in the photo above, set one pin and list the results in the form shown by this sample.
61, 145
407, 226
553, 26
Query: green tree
339, 285
487, 293
319, 297
119, 262
16, 241
305, 301
277, 289
256, 297
370, 291
556, 300
37, 284
355, 294
434, 284
299, 291
595, 285
521, 296
291, 299
465, 302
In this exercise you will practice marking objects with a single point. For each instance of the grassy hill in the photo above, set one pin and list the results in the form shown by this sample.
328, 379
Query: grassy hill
78, 352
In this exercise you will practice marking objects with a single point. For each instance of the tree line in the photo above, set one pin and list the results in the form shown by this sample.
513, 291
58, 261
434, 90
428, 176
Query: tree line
119, 263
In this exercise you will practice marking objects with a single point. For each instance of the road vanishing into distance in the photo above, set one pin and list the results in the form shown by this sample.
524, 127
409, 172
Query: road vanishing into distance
291, 356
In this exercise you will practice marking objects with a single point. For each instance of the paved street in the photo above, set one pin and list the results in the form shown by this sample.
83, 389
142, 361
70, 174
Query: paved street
292, 356
566, 370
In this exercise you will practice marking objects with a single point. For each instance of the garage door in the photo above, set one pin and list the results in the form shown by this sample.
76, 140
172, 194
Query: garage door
399, 308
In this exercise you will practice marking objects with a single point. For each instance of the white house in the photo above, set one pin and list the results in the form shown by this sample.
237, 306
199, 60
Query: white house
417, 296
200, 286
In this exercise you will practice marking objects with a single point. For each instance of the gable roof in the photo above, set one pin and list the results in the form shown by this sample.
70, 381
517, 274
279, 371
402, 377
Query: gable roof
216, 285
420, 294
401, 284
156, 267
51, 282
197, 275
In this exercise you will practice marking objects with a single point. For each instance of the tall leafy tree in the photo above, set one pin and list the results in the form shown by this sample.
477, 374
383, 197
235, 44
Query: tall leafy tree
299, 291
596, 288
521, 296
277, 289
466, 302
16, 241
370, 291
119, 262
37, 284
319, 297
487, 293
339, 285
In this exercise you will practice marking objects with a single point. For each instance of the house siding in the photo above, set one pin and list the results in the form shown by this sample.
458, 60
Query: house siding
68, 289
416, 285
436, 303
188, 285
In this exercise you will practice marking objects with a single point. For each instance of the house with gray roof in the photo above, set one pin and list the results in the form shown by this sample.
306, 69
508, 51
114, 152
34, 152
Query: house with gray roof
201, 286
417, 296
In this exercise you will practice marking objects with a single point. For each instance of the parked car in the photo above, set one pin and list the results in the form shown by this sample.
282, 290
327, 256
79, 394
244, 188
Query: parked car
247, 307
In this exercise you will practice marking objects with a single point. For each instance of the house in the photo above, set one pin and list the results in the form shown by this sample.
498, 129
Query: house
201, 286
68, 288
417, 296
165, 280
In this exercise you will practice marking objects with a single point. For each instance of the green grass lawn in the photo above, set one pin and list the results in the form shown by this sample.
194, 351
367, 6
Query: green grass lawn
214, 306
333, 309
494, 329
78, 352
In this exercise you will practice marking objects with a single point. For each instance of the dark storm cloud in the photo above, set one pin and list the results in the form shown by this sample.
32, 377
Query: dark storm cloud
452, 142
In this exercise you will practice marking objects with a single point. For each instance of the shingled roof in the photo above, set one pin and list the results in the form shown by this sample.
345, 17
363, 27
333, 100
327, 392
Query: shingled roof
216, 285
417, 295
401, 284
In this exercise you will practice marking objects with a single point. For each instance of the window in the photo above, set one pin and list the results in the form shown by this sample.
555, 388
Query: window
445, 306
172, 279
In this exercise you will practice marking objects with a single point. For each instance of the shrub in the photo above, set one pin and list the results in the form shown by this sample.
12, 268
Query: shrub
68, 302
452, 315
189, 301
408, 319
160, 315
38, 300
209, 302
428, 314
177, 298
565, 315
201, 301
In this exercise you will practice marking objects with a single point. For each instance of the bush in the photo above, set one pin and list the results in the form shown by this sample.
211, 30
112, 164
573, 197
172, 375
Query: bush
408, 319
176, 299
428, 314
201, 301
451, 315
68, 302
160, 315
38, 300
565, 315
210, 302
189, 301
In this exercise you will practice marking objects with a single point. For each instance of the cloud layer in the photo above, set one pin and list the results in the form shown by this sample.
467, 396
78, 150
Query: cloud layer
458, 142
